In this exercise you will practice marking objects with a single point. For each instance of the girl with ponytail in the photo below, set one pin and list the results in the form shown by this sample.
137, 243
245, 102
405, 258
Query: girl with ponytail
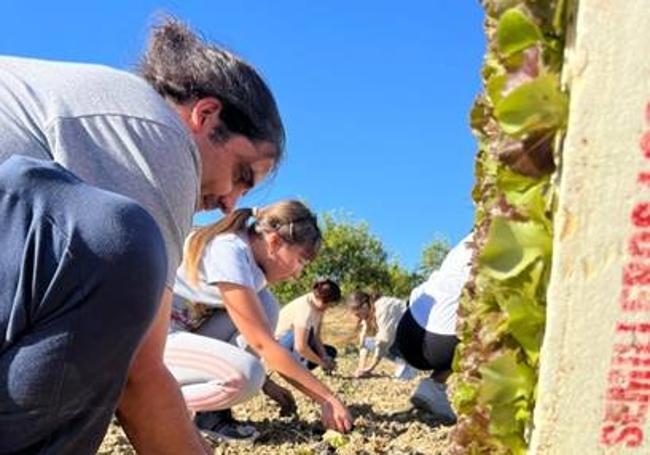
222, 308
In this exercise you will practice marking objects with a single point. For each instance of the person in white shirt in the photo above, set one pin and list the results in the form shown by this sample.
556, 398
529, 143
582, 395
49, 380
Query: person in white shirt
221, 307
426, 334
299, 326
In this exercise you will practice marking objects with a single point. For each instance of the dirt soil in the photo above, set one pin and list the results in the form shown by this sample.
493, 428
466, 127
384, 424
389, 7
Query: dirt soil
385, 422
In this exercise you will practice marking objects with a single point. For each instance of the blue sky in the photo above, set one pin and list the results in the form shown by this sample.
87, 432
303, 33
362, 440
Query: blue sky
375, 95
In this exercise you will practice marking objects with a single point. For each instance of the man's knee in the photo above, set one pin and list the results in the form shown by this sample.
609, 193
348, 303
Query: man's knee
126, 241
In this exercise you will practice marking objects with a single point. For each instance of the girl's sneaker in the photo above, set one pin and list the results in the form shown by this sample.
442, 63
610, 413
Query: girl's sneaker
222, 426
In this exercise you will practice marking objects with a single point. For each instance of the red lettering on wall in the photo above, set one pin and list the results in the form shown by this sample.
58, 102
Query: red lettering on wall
631, 361
627, 397
643, 178
633, 327
641, 215
635, 298
630, 435
625, 413
636, 274
623, 394
631, 348
639, 245
644, 143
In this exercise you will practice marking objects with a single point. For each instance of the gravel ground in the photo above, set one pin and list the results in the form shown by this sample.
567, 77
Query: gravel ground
385, 422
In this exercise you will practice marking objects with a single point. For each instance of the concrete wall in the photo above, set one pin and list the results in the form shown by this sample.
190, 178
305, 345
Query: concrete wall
594, 389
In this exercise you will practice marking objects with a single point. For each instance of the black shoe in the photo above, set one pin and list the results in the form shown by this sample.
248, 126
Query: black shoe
222, 426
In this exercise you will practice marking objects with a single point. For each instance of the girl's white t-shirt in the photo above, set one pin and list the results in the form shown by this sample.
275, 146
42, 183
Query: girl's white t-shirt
227, 258
434, 303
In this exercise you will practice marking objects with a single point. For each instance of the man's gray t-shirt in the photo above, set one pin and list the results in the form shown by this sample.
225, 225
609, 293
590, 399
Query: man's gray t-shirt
111, 129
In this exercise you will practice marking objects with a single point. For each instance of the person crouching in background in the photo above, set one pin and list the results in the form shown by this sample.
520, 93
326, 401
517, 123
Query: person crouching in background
299, 326
378, 318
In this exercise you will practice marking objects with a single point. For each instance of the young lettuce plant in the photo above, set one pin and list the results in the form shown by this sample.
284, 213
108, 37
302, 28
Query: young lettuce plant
518, 121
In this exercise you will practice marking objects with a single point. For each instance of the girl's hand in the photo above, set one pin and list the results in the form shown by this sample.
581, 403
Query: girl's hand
361, 373
329, 365
336, 416
282, 397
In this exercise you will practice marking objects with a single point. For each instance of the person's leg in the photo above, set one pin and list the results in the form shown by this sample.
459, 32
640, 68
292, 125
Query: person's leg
427, 351
409, 342
438, 350
220, 326
82, 272
213, 374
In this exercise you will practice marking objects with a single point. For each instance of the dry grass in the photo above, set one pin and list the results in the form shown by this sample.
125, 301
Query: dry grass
385, 423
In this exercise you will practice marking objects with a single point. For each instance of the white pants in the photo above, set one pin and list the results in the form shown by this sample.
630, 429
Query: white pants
212, 366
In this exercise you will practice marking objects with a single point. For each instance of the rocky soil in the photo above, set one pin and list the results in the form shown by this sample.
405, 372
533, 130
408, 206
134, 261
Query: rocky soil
385, 422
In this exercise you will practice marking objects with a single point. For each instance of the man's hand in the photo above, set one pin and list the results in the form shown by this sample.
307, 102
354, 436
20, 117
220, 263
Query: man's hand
282, 397
336, 416
151, 409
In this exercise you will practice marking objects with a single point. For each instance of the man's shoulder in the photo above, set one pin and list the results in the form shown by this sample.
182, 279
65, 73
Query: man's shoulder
82, 90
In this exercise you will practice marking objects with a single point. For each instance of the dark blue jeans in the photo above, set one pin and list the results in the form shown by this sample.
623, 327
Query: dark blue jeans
287, 340
81, 272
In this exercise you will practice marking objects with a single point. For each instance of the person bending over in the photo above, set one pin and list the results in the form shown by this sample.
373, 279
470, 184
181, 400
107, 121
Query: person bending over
101, 172
299, 327
426, 334
378, 318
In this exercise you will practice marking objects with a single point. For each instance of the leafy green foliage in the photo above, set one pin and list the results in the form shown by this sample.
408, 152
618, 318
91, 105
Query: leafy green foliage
533, 106
355, 258
516, 32
432, 256
512, 246
335, 439
502, 311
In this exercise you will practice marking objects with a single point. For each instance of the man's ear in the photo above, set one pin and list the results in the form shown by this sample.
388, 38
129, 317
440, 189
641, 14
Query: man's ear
205, 115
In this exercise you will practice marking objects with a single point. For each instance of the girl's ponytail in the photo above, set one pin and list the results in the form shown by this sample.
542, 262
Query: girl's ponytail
235, 221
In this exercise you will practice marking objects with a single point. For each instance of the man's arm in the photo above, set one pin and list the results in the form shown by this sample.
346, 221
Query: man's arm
151, 408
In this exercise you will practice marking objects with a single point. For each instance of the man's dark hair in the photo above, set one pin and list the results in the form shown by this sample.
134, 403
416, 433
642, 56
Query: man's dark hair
183, 67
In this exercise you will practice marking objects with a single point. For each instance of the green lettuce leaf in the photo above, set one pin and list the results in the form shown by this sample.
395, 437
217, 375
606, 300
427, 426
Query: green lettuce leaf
516, 32
532, 106
512, 246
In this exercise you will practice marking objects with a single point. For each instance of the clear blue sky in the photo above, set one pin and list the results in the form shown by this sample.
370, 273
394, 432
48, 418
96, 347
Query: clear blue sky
375, 95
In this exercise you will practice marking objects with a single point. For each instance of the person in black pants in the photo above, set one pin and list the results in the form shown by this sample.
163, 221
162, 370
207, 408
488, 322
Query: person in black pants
426, 334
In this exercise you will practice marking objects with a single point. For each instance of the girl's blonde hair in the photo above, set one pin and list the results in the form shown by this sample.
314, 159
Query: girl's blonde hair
291, 220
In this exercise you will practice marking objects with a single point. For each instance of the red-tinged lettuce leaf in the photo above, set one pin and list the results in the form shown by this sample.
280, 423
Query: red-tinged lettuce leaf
527, 195
533, 106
